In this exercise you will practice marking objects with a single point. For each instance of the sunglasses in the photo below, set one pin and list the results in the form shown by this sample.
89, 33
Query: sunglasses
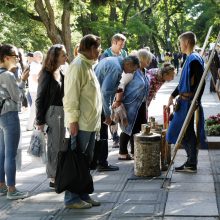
14, 55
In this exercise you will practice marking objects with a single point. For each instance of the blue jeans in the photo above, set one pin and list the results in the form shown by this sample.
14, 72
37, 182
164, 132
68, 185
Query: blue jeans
9, 140
86, 142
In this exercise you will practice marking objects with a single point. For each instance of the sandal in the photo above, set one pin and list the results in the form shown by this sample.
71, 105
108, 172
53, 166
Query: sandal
127, 157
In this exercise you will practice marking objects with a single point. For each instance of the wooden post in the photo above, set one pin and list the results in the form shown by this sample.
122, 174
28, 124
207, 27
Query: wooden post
206, 41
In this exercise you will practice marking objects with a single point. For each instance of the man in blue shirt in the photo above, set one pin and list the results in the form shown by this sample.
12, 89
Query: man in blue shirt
116, 50
108, 72
191, 75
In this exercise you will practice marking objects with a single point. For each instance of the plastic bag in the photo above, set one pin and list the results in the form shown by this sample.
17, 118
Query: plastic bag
119, 115
37, 146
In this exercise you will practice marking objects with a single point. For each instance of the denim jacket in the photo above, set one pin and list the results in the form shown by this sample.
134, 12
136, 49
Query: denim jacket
108, 72
135, 93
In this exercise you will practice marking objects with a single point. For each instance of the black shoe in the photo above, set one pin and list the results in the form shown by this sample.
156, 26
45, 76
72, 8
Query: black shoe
52, 185
186, 168
107, 168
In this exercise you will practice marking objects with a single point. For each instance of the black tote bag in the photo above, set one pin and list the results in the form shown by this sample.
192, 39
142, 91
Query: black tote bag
72, 172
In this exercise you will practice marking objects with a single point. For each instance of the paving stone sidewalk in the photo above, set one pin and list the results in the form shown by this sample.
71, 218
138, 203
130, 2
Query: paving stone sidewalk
186, 196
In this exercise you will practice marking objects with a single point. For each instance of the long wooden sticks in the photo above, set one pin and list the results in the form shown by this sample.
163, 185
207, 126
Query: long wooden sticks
206, 41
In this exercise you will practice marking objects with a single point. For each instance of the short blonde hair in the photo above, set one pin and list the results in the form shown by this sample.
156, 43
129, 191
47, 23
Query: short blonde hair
190, 36
144, 54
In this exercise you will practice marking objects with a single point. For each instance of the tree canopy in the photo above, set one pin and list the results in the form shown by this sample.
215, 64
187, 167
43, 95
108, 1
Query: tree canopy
37, 24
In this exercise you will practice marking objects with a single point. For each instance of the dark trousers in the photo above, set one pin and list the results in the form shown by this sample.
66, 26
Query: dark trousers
190, 144
101, 147
115, 136
125, 138
213, 82
176, 65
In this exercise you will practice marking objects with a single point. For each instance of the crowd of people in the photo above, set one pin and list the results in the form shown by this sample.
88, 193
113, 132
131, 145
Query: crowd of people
82, 99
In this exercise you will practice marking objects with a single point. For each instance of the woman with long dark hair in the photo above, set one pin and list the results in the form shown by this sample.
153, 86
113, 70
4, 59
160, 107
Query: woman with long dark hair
49, 105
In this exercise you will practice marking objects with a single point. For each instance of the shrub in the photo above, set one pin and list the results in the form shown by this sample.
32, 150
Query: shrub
212, 125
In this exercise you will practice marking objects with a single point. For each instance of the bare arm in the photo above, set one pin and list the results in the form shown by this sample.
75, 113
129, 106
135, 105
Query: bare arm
118, 99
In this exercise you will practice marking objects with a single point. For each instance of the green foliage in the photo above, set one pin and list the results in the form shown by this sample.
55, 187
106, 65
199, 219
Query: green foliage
210, 122
17, 28
203, 14
138, 31
29, 37
140, 20
213, 130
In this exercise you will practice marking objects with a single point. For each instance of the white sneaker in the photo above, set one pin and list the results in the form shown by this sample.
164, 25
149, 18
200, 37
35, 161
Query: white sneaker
16, 195
3, 191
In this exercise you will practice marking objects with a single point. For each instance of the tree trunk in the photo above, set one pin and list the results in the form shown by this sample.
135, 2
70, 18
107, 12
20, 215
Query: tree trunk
157, 36
167, 25
66, 32
175, 23
113, 14
156, 47
125, 17
46, 13
47, 16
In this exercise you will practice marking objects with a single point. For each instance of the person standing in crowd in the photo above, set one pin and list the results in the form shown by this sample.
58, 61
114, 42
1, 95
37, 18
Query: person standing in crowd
35, 67
19, 70
29, 59
49, 105
214, 69
154, 63
176, 57
10, 102
109, 72
183, 59
168, 57
82, 108
134, 101
75, 51
116, 49
186, 89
